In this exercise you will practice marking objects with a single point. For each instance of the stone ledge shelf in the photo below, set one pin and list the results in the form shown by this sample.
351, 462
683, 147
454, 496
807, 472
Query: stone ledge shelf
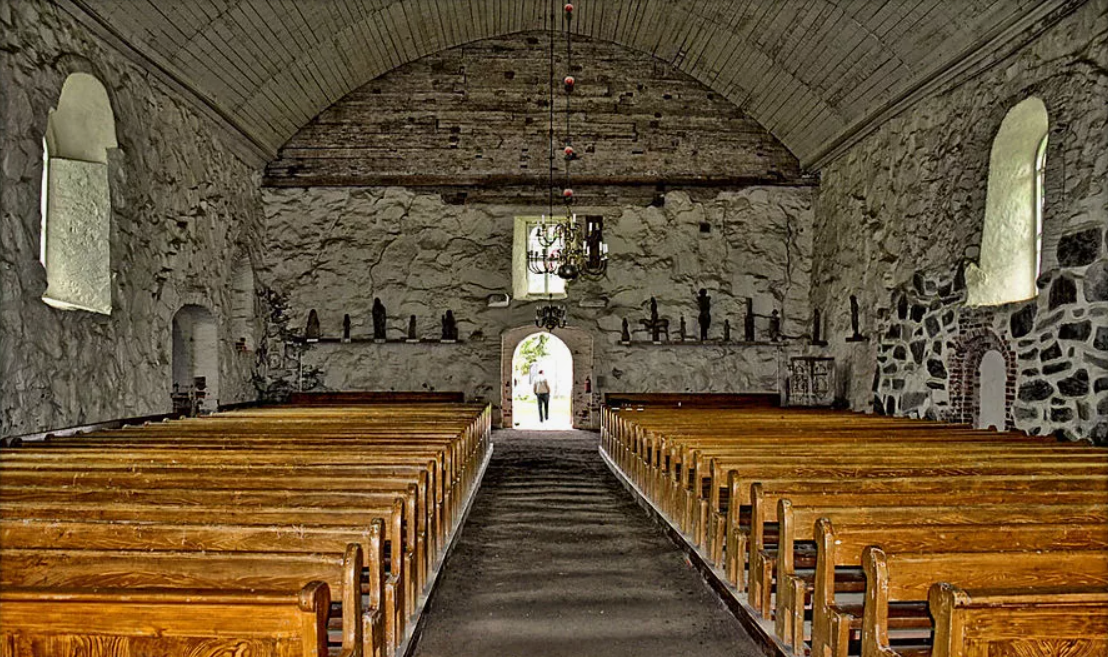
305, 341
709, 343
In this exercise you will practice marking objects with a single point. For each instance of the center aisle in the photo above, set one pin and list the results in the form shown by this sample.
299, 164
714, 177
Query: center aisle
557, 559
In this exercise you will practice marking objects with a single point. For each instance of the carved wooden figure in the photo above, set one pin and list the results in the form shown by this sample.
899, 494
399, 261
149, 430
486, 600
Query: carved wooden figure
748, 321
312, 331
704, 302
655, 324
346, 328
856, 335
379, 318
449, 327
412, 337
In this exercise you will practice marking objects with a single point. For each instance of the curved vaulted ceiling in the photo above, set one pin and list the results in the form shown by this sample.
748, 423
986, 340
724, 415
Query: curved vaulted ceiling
805, 69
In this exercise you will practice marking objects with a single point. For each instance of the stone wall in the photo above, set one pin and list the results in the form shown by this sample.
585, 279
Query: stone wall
473, 121
335, 249
183, 208
408, 188
900, 215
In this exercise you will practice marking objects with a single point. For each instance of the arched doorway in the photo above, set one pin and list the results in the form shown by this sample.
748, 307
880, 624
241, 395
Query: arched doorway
195, 360
542, 355
967, 387
583, 403
991, 382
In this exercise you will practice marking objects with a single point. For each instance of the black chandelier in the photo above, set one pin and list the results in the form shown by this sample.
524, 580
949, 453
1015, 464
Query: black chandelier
565, 247
551, 316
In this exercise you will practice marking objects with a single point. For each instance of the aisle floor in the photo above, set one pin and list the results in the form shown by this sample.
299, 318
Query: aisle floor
557, 559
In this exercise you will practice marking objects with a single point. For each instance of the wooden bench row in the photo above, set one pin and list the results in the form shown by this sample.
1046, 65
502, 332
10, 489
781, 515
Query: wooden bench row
335, 517
803, 511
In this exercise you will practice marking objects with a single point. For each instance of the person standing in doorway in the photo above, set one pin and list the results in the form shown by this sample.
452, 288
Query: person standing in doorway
542, 392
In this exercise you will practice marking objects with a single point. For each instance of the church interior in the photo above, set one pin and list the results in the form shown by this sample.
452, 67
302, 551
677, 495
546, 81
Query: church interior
495, 327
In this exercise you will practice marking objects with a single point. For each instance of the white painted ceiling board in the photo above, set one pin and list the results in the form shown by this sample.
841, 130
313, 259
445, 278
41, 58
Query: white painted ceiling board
806, 69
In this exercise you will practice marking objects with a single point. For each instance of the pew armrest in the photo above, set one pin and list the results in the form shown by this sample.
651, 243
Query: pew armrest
1023, 621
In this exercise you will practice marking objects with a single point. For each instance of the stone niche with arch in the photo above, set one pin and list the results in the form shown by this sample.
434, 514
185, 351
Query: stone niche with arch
196, 358
1040, 359
243, 296
584, 407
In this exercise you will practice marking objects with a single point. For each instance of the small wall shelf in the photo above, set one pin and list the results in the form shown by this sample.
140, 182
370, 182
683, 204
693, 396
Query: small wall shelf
708, 343
321, 341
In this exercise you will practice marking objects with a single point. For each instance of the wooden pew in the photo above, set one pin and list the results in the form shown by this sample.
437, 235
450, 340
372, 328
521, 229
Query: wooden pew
408, 549
1072, 621
30, 568
698, 466
278, 463
797, 523
769, 511
840, 546
731, 534
908, 576
139, 623
396, 603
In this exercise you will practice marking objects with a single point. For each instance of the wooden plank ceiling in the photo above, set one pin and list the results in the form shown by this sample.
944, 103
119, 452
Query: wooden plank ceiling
805, 69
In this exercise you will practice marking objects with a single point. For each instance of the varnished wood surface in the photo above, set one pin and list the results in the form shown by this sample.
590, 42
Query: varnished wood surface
139, 623
748, 486
250, 499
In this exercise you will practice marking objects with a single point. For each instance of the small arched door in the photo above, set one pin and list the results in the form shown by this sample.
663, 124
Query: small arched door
992, 379
583, 407
195, 359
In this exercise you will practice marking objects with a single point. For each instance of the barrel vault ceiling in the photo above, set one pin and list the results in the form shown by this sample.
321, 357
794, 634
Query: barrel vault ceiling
810, 71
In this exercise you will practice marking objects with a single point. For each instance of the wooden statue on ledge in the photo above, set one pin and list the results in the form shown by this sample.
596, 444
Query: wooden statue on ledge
346, 328
625, 334
748, 321
412, 330
312, 331
449, 327
704, 302
656, 325
856, 334
379, 319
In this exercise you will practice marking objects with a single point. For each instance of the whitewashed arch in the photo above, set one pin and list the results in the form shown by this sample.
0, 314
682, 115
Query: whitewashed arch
1011, 237
76, 199
580, 343
196, 353
992, 381
242, 302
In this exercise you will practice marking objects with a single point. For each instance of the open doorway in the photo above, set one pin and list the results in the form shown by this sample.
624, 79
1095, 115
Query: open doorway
195, 361
542, 356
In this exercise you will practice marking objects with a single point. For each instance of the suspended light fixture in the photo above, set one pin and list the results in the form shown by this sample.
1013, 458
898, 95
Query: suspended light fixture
567, 249
551, 316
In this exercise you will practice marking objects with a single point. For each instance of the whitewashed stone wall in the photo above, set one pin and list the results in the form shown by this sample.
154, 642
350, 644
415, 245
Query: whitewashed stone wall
335, 249
182, 207
909, 202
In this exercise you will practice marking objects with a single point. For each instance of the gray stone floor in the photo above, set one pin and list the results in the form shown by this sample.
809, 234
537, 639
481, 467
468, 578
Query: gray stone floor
557, 559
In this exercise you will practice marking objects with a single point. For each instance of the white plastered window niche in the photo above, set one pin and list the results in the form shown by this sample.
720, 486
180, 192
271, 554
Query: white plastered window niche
75, 244
527, 285
1012, 236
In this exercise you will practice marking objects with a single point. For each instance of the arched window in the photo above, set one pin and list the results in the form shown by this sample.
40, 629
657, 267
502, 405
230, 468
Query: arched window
1011, 241
76, 201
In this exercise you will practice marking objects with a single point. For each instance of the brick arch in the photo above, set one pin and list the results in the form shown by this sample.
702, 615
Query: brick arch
965, 362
